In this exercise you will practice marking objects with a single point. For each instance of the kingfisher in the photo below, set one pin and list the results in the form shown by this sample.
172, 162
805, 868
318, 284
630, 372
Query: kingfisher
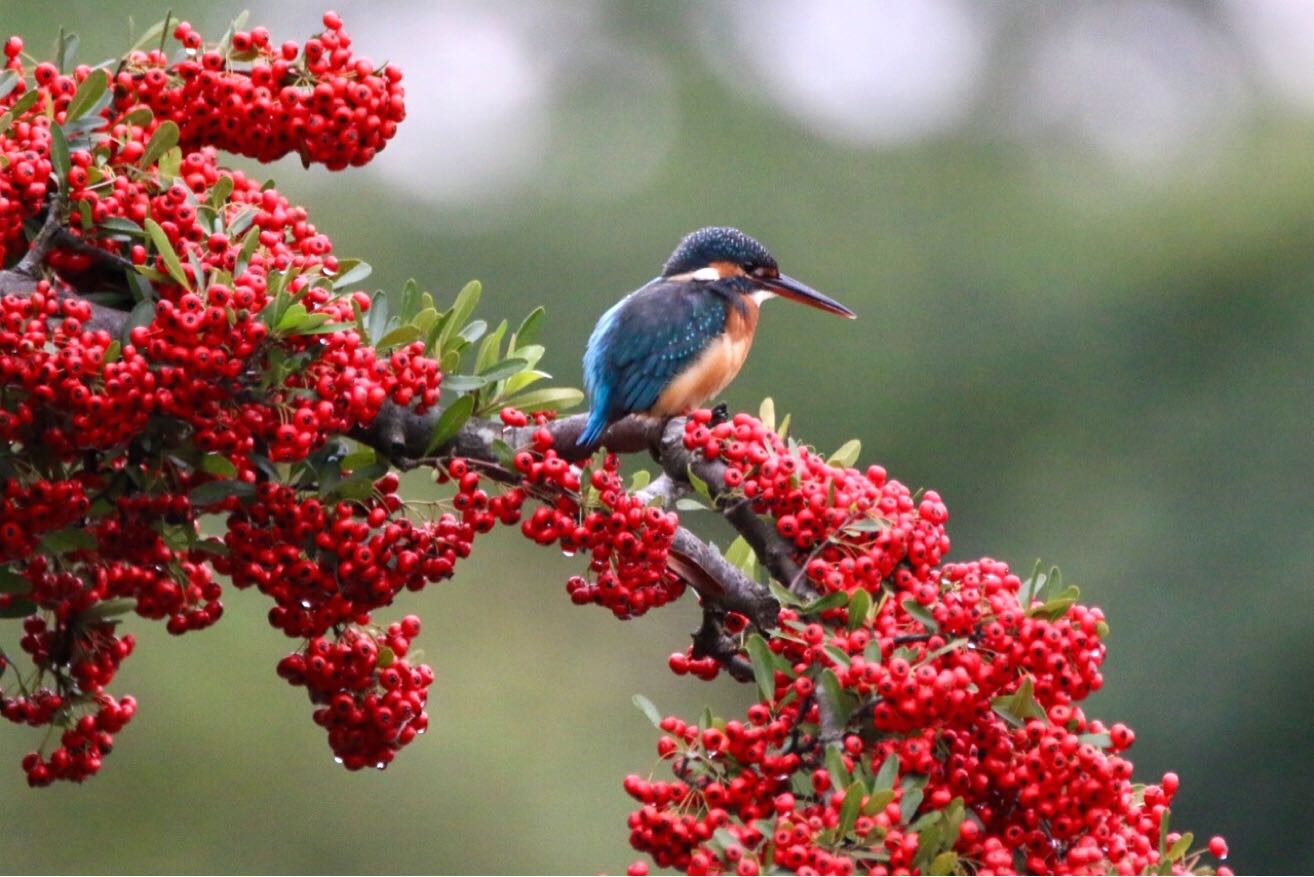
681, 338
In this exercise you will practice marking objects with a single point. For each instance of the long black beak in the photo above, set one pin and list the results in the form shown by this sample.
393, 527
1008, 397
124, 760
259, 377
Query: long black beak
788, 287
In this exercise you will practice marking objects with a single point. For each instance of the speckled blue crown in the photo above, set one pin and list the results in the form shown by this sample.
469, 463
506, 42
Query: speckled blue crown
716, 244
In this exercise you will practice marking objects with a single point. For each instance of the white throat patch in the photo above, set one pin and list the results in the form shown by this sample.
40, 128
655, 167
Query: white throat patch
761, 295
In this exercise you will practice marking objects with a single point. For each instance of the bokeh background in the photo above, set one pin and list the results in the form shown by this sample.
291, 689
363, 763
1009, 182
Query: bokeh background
1081, 240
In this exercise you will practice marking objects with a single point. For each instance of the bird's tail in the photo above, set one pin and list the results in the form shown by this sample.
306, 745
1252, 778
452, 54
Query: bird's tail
597, 423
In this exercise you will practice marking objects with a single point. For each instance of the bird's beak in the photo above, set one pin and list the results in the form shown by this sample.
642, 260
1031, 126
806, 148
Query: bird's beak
788, 287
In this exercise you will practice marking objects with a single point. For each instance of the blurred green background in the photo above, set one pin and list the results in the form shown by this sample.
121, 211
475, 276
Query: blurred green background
1081, 241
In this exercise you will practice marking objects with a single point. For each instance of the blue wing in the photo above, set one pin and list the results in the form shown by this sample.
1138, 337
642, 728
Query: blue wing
642, 343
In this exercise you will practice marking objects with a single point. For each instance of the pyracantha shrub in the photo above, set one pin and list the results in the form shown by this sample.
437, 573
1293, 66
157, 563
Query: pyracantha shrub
195, 393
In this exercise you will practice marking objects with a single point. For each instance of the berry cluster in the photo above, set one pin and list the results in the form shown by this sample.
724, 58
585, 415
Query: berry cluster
920, 717
326, 565
627, 542
248, 357
866, 526
83, 745
266, 101
369, 698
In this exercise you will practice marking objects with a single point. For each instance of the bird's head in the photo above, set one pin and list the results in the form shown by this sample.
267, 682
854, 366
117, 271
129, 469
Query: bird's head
719, 255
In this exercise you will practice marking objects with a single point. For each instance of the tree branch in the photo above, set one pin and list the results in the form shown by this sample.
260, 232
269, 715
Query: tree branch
403, 436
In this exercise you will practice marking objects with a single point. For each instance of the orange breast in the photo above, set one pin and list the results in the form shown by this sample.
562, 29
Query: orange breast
715, 367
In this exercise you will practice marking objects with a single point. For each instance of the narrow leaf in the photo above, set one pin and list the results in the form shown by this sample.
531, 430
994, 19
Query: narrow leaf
13, 583
351, 273
59, 153
450, 423
89, 92
859, 607
164, 139
529, 328
167, 253
847, 455
21, 106
763, 667
648, 709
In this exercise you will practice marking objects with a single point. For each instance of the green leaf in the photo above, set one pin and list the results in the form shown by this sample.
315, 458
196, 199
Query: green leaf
641, 479
18, 608
688, 504
170, 164
888, 774
473, 330
151, 34
398, 337
740, 555
164, 139
1057, 605
504, 369
841, 703
424, 320
459, 315
700, 486
142, 314
833, 600
847, 455
66, 49
13, 583
64, 541
783, 595
92, 89
763, 667
8, 82
648, 709
1019, 706
530, 353
851, 807
219, 192
766, 412
120, 225
859, 608
216, 491
921, 613
59, 153
913, 792
489, 351
450, 423
1181, 847
839, 773
21, 106
550, 399
1101, 740
167, 253
878, 801
218, 464
464, 383
139, 115
351, 272
838, 655
529, 328
291, 318
945, 863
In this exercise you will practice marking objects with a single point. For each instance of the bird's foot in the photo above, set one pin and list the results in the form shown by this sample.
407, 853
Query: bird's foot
720, 414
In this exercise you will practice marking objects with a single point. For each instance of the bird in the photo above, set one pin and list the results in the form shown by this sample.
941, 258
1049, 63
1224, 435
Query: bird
680, 339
